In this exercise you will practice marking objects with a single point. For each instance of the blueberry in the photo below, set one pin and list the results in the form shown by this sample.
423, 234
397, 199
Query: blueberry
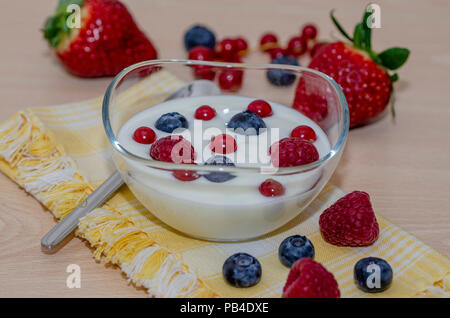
281, 77
219, 177
242, 270
171, 121
293, 248
372, 274
199, 35
246, 122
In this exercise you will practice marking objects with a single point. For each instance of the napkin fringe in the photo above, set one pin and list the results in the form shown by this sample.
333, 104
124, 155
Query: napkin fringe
31, 157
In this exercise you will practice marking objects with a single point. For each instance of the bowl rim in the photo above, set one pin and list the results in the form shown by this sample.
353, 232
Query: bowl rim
343, 134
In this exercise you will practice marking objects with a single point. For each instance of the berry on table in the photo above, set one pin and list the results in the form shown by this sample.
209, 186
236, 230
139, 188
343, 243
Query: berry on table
199, 35
174, 149
372, 274
144, 135
205, 112
223, 144
219, 177
277, 52
296, 46
350, 221
186, 175
201, 53
294, 248
309, 32
309, 279
289, 152
171, 121
242, 270
260, 107
241, 46
304, 132
268, 41
271, 188
280, 77
316, 47
227, 49
231, 80
246, 123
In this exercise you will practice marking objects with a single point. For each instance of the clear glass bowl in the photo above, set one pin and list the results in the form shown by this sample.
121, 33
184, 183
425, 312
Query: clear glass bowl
233, 210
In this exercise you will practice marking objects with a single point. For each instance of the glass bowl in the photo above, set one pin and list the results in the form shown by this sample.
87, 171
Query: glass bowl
193, 198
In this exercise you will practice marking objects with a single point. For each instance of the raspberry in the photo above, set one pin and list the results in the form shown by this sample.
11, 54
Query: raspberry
350, 221
271, 188
289, 152
144, 135
304, 133
174, 149
309, 279
205, 112
260, 107
223, 144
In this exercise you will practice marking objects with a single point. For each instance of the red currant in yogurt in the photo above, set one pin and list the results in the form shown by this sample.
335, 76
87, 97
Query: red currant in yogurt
223, 144
205, 112
144, 135
260, 107
186, 175
304, 132
271, 188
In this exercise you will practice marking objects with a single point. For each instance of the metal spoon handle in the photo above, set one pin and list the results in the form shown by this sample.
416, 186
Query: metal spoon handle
61, 230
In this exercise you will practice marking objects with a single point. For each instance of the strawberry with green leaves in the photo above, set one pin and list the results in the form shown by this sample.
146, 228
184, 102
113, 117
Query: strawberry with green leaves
363, 74
107, 41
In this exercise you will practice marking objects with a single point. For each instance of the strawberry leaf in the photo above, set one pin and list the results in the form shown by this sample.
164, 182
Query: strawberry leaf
394, 57
339, 27
367, 32
359, 36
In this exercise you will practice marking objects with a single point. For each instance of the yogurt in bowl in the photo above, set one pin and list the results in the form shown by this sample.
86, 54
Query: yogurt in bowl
224, 202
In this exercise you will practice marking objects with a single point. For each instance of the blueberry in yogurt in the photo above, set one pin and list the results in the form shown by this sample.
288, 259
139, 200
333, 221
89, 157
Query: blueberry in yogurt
247, 123
171, 121
219, 177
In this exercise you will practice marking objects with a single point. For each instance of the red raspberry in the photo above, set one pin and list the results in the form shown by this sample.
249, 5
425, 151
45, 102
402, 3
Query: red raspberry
309, 279
223, 144
231, 80
144, 135
174, 149
297, 46
350, 221
186, 175
289, 152
260, 107
205, 112
271, 188
268, 41
304, 133
309, 32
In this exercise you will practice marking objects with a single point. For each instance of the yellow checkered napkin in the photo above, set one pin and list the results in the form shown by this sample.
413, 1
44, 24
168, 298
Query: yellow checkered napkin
60, 154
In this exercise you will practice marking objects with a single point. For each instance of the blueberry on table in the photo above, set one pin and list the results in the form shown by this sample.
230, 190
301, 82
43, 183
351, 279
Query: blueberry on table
247, 123
280, 77
294, 248
219, 177
171, 121
372, 274
242, 270
199, 35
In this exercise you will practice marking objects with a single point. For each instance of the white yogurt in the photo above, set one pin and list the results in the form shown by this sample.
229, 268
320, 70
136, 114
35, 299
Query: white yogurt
235, 209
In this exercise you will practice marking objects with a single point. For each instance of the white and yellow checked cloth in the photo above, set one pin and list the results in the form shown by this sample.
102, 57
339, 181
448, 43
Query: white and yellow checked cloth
60, 153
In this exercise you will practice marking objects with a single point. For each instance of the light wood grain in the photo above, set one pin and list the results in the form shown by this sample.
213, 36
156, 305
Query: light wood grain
405, 166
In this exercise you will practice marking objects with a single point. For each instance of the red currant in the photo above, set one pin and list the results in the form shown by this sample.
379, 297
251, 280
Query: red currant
304, 132
201, 53
241, 46
223, 144
260, 107
227, 49
277, 52
271, 188
268, 41
205, 112
205, 72
144, 135
231, 80
309, 32
296, 46
186, 175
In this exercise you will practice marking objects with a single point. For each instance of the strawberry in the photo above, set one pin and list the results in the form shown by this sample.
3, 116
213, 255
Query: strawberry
362, 73
108, 41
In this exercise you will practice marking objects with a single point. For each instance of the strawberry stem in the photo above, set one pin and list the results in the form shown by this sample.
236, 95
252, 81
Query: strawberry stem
339, 27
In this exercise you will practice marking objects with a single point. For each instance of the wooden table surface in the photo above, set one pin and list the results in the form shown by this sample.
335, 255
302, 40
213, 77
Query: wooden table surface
405, 166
